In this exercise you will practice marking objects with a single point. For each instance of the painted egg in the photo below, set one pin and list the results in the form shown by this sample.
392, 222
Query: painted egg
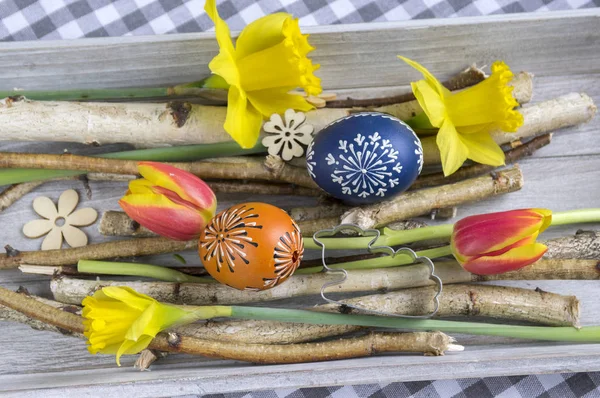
251, 246
364, 158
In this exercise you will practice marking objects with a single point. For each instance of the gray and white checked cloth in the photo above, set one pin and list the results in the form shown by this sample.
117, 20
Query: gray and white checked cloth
71, 19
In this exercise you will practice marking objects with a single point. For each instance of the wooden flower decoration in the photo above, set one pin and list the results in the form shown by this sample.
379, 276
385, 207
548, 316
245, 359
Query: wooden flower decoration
61, 221
287, 138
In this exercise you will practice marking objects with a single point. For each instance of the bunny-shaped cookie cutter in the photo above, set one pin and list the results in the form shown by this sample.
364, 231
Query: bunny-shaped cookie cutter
325, 233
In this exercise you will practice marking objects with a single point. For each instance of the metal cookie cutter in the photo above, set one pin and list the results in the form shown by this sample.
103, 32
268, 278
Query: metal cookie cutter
325, 233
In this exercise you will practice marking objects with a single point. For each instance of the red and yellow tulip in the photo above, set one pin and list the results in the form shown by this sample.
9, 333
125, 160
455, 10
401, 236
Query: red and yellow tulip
169, 201
500, 242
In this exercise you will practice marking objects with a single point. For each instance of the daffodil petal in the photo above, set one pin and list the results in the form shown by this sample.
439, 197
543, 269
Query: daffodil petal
483, 149
512, 260
243, 121
221, 29
224, 65
431, 102
260, 34
452, 150
268, 102
132, 347
429, 78
128, 296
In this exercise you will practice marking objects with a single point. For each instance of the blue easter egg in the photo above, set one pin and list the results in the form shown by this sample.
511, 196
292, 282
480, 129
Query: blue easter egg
364, 158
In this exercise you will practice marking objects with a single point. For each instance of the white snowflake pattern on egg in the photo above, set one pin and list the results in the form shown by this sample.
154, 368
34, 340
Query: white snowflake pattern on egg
365, 157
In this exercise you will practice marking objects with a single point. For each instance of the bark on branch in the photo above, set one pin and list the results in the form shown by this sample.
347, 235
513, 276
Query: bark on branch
145, 125
98, 251
72, 291
457, 300
435, 343
240, 169
415, 203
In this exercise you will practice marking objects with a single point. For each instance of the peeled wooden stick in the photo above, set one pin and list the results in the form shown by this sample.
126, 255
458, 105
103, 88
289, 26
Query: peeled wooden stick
241, 169
415, 203
435, 343
544, 117
457, 300
72, 291
98, 251
144, 125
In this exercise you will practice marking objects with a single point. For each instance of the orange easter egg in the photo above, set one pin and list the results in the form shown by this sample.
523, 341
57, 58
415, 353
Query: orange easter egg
251, 246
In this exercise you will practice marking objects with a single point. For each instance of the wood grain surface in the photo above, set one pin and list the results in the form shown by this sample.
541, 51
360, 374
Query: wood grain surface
562, 49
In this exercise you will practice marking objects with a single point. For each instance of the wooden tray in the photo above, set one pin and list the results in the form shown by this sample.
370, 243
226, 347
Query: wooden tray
561, 48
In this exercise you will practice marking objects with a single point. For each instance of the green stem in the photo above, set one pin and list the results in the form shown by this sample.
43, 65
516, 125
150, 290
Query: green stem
381, 262
169, 154
89, 94
587, 334
576, 216
135, 269
187, 89
391, 237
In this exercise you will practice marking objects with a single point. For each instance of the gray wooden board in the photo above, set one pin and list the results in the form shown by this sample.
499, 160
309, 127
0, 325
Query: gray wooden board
562, 49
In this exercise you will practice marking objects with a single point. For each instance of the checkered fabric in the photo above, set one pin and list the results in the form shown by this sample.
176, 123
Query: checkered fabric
71, 19
571, 385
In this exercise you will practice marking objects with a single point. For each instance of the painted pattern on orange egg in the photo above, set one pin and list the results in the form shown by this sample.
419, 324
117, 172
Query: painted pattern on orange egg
253, 246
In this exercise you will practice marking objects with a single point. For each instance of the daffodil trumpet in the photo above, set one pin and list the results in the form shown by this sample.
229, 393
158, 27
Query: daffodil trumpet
120, 321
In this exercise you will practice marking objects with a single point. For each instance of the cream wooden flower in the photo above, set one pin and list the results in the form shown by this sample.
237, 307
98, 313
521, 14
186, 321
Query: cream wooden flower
289, 138
60, 222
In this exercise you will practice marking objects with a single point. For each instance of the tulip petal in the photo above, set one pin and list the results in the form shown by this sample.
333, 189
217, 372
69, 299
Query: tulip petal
184, 184
260, 34
485, 233
514, 259
161, 216
243, 121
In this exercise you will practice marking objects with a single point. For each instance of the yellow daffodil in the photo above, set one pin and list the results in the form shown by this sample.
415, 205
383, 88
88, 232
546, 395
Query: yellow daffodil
119, 320
268, 61
465, 118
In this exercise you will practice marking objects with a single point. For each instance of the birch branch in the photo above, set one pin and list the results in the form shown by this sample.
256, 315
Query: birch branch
72, 291
582, 245
435, 343
240, 169
415, 203
458, 300
141, 124
544, 117
117, 249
